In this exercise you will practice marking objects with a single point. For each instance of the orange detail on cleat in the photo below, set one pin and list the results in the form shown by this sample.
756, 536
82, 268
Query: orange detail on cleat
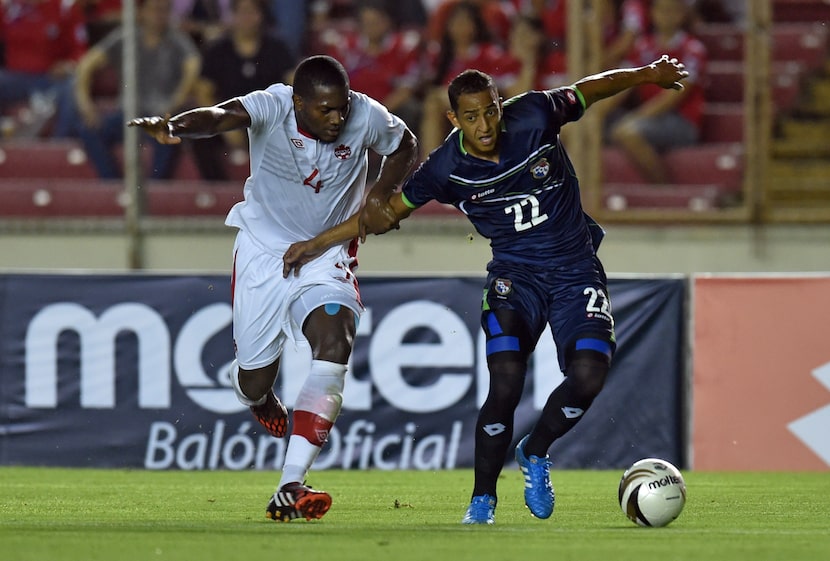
295, 500
272, 415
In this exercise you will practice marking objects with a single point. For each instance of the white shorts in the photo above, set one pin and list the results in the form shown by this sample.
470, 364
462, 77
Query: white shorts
267, 308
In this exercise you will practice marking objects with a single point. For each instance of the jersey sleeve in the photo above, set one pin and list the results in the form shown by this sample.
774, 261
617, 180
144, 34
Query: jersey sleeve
264, 106
565, 105
384, 129
424, 186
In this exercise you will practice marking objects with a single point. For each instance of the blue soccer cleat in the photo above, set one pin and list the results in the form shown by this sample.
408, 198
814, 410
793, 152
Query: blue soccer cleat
539, 496
482, 510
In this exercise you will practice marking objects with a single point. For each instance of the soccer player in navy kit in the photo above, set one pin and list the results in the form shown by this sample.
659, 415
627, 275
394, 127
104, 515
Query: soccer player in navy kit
504, 167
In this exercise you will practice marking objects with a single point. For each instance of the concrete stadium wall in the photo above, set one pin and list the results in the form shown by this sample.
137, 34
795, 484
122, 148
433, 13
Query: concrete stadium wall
435, 247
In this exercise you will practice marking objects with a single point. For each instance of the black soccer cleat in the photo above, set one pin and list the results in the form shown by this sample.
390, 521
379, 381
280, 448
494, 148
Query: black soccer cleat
295, 500
272, 415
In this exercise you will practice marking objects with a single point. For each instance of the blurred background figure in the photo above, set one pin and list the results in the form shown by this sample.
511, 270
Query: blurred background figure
658, 120
466, 42
533, 62
247, 58
42, 41
623, 22
382, 61
168, 66
203, 20
497, 15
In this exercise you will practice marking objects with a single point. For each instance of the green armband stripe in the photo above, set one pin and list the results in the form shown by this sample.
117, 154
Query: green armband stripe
406, 201
581, 98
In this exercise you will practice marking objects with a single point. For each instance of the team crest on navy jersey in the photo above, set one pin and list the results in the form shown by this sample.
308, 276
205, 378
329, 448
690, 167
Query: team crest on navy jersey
342, 152
540, 169
571, 96
503, 287
298, 143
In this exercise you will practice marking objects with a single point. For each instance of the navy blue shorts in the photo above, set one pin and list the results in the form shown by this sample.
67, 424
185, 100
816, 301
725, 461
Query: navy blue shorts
573, 300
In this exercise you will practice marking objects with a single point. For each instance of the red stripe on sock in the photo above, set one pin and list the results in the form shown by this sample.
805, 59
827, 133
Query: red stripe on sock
312, 427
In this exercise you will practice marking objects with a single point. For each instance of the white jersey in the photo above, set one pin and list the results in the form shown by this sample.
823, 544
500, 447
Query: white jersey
300, 186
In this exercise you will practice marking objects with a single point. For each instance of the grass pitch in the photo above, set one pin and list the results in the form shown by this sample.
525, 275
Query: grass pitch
58, 514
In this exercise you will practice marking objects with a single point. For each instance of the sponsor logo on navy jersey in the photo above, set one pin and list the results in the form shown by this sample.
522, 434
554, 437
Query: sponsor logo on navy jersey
477, 196
342, 152
540, 169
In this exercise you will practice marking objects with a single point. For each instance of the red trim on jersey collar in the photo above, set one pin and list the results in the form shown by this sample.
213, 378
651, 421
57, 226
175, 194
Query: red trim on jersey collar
305, 134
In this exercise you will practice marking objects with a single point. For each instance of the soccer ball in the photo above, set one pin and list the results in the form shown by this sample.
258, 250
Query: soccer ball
652, 492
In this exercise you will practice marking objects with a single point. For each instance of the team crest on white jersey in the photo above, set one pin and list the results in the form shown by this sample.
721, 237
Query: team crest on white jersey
342, 152
540, 169
298, 143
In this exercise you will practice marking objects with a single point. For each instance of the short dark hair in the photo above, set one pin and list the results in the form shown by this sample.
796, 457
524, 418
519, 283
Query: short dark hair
469, 81
317, 71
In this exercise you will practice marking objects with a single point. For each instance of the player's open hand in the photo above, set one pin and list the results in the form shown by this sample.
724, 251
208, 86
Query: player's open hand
157, 127
376, 217
298, 255
670, 72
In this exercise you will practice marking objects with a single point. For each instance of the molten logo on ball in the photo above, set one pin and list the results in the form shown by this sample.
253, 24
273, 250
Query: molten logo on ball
652, 492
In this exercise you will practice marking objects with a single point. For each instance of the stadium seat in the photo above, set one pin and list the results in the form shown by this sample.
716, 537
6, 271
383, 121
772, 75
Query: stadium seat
802, 43
623, 196
701, 175
38, 158
723, 122
725, 83
60, 197
714, 163
192, 198
800, 10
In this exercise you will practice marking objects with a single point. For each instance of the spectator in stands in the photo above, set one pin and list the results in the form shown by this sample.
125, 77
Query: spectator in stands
382, 61
42, 40
102, 16
551, 13
248, 58
497, 15
168, 66
291, 23
623, 22
662, 119
203, 20
465, 43
532, 62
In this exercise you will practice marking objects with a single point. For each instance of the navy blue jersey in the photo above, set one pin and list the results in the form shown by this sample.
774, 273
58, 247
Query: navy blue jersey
527, 204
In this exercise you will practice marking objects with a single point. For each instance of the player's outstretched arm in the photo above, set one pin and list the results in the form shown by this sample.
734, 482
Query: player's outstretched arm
196, 123
665, 72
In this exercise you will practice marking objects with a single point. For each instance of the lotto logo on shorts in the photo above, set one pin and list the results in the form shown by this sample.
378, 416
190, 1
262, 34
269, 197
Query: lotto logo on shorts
503, 286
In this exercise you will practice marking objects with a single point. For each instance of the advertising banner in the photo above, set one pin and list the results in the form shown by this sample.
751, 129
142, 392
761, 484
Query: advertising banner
761, 373
131, 371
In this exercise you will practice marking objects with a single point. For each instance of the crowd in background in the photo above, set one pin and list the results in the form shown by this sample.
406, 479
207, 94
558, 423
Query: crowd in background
61, 61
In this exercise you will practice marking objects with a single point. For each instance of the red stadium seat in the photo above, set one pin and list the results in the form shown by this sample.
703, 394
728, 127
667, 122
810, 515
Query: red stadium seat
723, 122
725, 83
34, 158
800, 10
623, 196
701, 175
60, 197
192, 198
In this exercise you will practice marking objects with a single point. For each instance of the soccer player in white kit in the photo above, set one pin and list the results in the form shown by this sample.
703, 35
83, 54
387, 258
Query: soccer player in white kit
308, 151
